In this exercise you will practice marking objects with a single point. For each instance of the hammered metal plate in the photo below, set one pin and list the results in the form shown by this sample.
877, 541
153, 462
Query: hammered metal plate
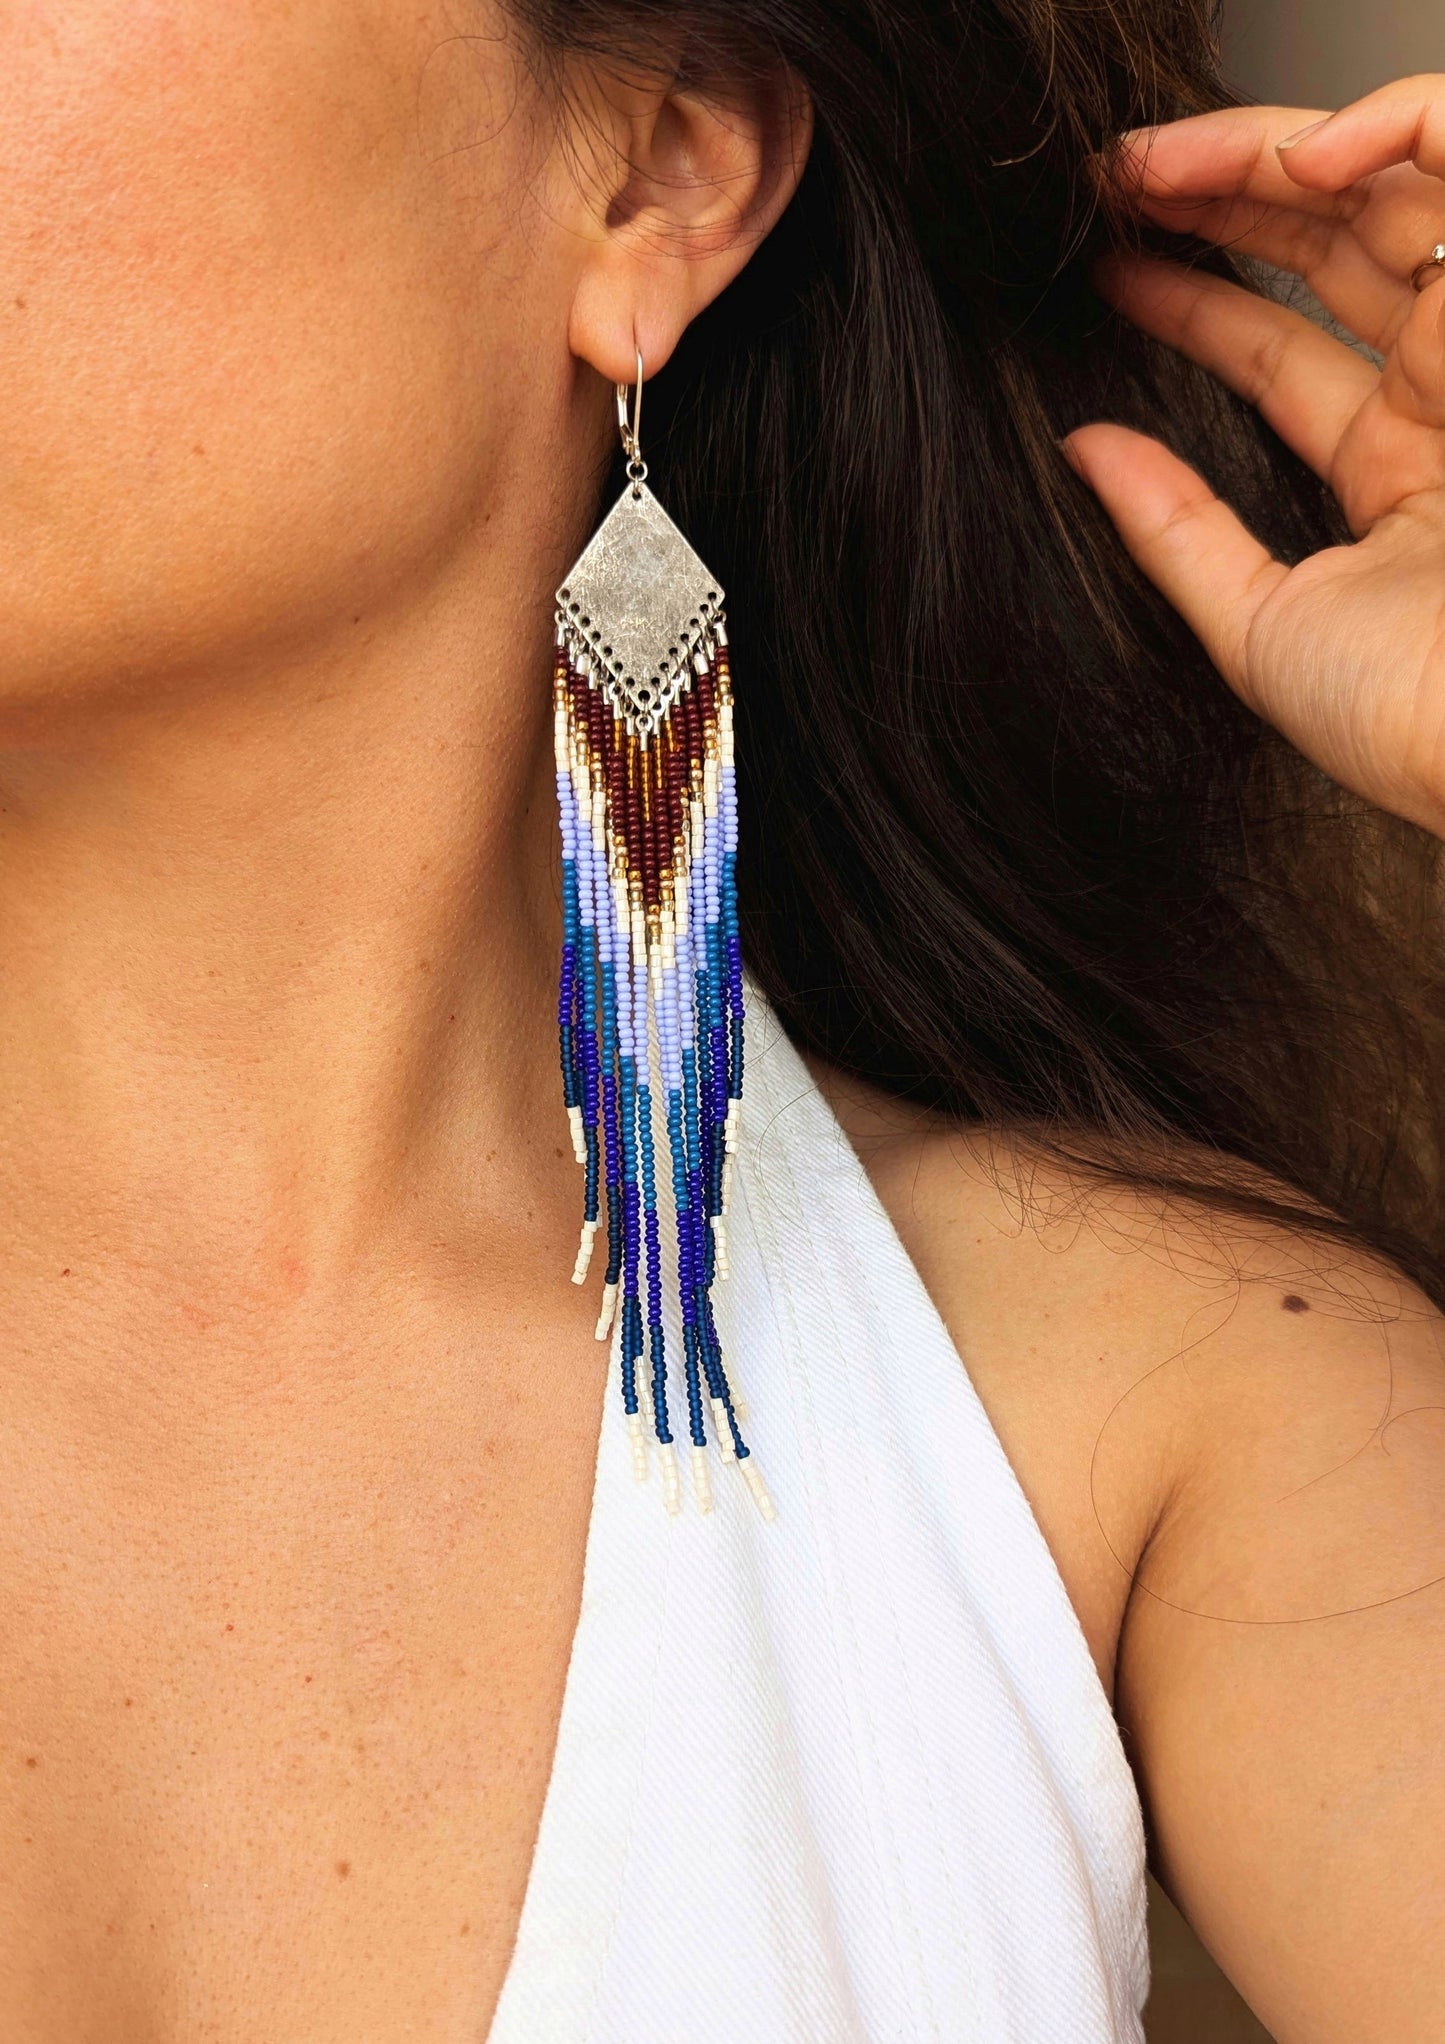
640, 599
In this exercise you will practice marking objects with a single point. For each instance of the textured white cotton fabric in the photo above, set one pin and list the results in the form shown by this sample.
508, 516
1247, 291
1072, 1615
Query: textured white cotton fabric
849, 1777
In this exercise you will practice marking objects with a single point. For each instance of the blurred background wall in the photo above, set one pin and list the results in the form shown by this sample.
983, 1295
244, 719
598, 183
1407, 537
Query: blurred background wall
1306, 53
1320, 53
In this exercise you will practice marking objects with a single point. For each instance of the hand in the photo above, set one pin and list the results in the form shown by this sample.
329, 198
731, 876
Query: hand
1344, 653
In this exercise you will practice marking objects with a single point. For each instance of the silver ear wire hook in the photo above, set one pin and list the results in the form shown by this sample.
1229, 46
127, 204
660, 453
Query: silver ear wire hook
631, 429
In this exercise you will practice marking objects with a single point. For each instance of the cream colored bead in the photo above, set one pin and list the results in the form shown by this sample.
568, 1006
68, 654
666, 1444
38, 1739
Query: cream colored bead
584, 1253
638, 1440
609, 1312
720, 1237
579, 1134
671, 1480
725, 1449
701, 1481
759, 1490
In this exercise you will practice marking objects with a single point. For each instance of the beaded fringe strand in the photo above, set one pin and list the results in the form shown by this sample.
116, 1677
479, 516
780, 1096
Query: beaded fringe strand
650, 1016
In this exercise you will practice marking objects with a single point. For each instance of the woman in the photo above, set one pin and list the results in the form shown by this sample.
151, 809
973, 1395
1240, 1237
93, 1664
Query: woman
312, 309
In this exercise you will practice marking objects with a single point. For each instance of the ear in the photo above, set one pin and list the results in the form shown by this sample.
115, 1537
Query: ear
682, 190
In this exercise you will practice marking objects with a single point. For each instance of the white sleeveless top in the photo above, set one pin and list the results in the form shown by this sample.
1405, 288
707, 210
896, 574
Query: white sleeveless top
849, 1777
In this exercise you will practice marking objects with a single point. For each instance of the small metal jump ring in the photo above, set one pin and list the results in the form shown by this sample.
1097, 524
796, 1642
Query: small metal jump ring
1433, 264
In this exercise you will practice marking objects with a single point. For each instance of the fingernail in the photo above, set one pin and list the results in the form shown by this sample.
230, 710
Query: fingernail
1300, 133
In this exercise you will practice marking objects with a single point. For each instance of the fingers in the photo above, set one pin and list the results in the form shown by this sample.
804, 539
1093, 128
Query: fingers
1271, 182
1377, 438
1366, 298
1401, 123
1232, 153
1308, 385
1189, 544
1414, 375
1290, 156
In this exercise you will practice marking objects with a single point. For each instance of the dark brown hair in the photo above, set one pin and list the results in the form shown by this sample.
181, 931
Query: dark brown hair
1010, 846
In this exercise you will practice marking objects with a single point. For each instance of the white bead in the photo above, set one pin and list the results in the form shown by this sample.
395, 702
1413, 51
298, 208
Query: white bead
584, 1253
759, 1490
701, 1483
671, 1481
725, 1449
720, 1237
579, 1135
608, 1313
638, 1439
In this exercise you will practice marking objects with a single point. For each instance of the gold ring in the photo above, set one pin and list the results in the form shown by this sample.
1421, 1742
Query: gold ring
1435, 262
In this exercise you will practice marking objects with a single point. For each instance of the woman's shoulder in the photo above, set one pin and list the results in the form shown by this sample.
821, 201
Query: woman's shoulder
1160, 1372
1232, 1434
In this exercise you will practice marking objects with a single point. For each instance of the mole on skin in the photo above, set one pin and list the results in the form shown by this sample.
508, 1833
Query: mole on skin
1293, 1303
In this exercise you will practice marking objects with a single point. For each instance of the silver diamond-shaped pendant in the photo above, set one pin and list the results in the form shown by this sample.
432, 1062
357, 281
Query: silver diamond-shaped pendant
639, 601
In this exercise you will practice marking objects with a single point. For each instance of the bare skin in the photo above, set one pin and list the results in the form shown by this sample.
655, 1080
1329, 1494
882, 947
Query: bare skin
1233, 1441
308, 328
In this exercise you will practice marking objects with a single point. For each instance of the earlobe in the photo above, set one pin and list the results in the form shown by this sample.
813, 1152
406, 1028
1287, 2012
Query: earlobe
698, 185
618, 313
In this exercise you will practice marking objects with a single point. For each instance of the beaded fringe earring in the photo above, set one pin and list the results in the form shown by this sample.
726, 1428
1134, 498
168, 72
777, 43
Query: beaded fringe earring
650, 1008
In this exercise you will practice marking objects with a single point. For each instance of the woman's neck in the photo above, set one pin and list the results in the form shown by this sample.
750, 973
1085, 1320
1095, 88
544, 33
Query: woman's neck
276, 949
